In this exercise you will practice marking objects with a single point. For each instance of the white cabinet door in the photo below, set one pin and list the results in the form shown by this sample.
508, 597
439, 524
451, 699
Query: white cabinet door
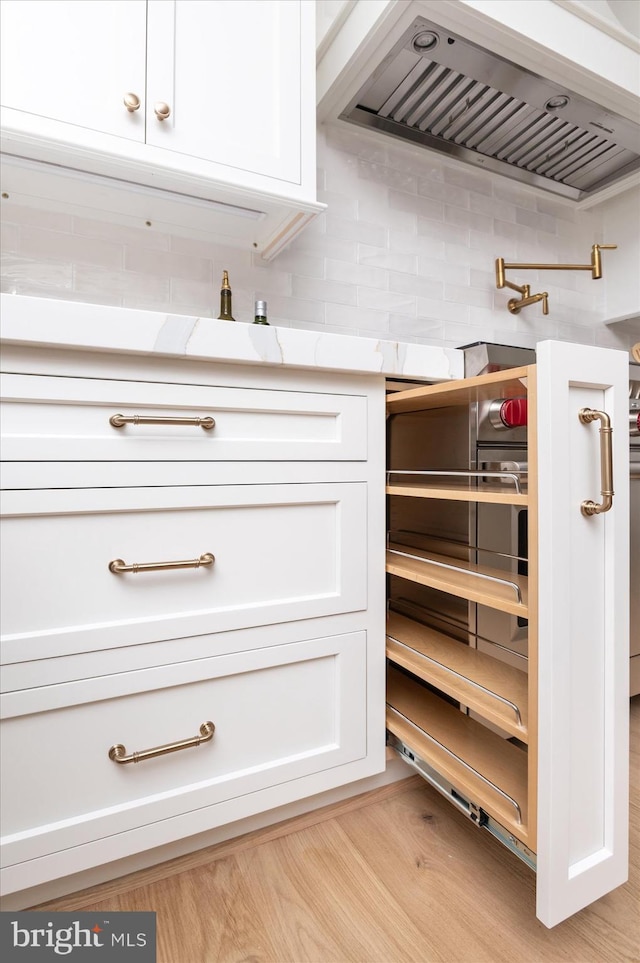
79, 62
583, 751
281, 553
289, 721
230, 73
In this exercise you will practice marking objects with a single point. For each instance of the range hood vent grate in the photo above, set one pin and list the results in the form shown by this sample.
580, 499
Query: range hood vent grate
456, 98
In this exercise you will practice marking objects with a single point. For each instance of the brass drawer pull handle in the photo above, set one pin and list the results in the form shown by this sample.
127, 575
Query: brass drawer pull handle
589, 507
118, 753
118, 421
117, 566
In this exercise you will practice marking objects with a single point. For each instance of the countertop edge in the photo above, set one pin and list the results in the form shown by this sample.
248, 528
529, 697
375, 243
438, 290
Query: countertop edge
76, 325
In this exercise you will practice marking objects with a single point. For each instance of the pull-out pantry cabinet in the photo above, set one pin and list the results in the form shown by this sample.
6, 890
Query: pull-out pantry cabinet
194, 609
539, 754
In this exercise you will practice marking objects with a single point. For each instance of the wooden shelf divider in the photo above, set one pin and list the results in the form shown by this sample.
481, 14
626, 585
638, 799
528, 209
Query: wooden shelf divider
478, 583
511, 383
495, 690
481, 765
459, 493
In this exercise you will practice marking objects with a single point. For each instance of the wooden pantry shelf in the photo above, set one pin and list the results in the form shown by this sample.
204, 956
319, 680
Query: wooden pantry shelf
495, 690
457, 493
487, 769
478, 583
511, 383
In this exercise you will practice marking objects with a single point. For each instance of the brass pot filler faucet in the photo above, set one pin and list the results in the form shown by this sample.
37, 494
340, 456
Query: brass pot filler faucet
515, 305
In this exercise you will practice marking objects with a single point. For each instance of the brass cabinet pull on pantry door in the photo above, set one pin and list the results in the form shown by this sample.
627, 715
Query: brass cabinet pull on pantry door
589, 507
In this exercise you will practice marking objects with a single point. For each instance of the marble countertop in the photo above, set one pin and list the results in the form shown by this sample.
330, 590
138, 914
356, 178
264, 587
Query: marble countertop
95, 327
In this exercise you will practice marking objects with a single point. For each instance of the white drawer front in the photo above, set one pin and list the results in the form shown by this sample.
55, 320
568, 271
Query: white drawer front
279, 713
68, 419
282, 552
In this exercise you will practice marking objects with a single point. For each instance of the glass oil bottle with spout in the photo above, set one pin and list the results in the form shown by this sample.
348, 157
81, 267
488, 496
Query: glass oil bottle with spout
225, 299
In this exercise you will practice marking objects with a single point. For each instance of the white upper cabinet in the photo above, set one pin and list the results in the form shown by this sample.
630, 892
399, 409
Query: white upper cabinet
79, 62
227, 72
212, 101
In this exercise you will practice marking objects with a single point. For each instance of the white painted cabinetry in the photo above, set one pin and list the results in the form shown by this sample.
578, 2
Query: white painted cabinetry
160, 575
266, 616
214, 101
80, 61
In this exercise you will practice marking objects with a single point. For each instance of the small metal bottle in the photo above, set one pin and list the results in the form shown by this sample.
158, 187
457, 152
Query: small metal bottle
260, 313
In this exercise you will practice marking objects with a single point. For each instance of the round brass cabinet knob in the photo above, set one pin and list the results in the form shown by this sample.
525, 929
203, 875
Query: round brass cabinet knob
162, 110
131, 102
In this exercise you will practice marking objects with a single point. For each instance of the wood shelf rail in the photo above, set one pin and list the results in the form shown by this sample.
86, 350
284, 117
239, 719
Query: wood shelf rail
478, 583
511, 383
495, 690
477, 761
426, 487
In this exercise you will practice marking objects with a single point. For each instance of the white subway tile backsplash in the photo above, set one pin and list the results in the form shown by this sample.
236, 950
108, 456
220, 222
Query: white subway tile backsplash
323, 246
499, 210
449, 233
27, 275
40, 217
366, 318
481, 183
536, 221
392, 301
88, 279
537, 324
438, 310
469, 296
340, 205
295, 262
420, 328
436, 269
510, 231
574, 332
440, 191
168, 264
464, 218
492, 318
562, 210
390, 178
376, 209
353, 230
322, 290
470, 257
201, 293
520, 196
484, 280
296, 309
391, 261
406, 249
420, 206
9, 236
56, 246
406, 242
359, 274
461, 334
418, 286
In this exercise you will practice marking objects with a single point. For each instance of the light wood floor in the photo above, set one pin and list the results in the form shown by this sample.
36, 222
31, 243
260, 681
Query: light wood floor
395, 876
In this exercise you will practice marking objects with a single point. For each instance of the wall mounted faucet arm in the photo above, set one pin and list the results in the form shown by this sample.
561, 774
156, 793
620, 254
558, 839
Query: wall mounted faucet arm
514, 305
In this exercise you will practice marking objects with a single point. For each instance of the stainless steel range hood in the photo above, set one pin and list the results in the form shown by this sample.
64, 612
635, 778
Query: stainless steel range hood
443, 92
